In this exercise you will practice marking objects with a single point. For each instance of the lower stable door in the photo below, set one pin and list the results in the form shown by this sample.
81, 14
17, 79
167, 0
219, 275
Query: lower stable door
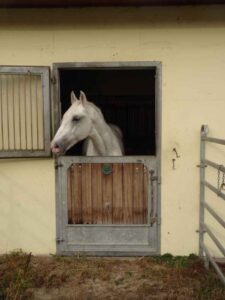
107, 206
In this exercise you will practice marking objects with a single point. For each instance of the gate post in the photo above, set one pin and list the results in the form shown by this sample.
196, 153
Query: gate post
203, 134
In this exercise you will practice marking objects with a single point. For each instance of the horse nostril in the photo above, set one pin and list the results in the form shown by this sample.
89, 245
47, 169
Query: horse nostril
55, 148
54, 145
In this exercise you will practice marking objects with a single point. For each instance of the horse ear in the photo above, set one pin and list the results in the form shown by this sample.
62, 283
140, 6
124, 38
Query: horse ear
73, 97
83, 98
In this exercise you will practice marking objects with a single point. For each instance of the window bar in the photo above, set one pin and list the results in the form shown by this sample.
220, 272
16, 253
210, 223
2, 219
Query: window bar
19, 113
7, 107
25, 109
13, 113
31, 113
43, 113
37, 110
1, 97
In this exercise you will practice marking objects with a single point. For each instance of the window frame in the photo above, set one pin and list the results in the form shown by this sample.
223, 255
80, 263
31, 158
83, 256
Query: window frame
44, 72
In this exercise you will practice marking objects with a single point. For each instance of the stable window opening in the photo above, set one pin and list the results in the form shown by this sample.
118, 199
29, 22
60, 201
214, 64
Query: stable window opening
126, 98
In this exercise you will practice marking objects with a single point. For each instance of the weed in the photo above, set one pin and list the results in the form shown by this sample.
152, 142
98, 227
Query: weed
161, 277
14, 273
177, 261
128, 274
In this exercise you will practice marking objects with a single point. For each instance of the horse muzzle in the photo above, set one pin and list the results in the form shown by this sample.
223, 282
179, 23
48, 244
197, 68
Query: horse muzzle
57, 148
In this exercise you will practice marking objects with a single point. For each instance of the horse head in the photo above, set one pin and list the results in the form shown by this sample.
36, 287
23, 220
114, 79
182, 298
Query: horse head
75, 125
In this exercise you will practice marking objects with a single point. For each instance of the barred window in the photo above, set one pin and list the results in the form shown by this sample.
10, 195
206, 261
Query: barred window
24, 112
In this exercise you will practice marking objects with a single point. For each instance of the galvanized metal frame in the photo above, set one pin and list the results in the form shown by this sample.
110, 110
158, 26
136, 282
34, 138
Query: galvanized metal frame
44, 72
61, 217
204, 228
63, 164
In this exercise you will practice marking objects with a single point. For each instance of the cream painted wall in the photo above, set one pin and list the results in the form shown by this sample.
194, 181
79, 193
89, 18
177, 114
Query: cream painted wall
27, 205
190, 43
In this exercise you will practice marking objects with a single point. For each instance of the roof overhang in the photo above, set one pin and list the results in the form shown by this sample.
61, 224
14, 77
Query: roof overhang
83, 3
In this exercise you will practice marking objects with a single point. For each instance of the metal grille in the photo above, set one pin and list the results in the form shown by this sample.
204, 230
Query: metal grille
24, 112
203, 227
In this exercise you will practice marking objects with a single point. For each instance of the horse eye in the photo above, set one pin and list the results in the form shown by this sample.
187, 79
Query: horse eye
76, 119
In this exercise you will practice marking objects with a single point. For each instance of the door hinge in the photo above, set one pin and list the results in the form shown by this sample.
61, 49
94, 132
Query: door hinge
58, 165
59, 240
154, 177
53, 80
154, 220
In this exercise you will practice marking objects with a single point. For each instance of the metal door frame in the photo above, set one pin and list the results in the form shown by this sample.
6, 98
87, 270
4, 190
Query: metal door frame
58, 161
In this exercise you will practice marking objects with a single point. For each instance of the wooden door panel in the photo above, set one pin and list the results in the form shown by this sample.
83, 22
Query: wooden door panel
117, 193
96, 188
119, 196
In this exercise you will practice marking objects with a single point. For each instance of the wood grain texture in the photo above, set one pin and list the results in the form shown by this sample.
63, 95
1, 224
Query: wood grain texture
107, 197
76, 188
145, 195
138, 192
69, 194
86, 194
128, 193
120, 197
117, 193
96, 186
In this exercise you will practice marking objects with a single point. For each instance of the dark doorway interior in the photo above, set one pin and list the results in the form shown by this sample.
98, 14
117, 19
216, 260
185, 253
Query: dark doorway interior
126, 98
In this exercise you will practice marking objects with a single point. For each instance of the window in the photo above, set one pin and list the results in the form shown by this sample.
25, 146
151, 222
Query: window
126, 97
24, 112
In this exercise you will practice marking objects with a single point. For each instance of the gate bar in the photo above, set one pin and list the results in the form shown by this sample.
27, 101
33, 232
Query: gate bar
1, 103
212, 188
214, 140
214, 214
215, 240
214, 165
203, 134
217, 269
203, 228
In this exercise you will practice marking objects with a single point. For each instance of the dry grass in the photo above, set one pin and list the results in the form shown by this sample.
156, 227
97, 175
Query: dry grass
23, 276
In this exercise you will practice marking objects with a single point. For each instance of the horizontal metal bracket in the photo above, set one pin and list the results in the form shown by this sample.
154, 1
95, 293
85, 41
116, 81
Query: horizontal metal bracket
58, 165
200, 231
59, 240
202, 166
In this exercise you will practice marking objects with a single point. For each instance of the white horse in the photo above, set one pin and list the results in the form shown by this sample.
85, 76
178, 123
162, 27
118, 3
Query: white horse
84, 120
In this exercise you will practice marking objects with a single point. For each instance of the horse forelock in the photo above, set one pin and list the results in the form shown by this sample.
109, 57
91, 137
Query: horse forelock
73, 109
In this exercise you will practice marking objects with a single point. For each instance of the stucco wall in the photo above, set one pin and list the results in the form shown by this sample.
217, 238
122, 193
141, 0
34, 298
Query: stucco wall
27, 206
190, 43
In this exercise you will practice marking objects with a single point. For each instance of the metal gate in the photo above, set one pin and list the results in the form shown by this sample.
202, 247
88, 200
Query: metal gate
204, 206
107, 206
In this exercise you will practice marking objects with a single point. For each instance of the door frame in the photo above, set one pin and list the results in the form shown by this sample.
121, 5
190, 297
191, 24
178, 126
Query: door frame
158, 128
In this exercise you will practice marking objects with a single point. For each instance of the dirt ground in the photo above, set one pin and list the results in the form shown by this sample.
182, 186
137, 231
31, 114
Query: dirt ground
23, 276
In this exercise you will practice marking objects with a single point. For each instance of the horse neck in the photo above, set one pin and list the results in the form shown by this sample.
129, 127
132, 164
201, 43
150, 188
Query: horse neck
101, 134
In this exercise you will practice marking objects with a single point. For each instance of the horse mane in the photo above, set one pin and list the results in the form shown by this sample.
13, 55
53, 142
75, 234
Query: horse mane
97, 109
